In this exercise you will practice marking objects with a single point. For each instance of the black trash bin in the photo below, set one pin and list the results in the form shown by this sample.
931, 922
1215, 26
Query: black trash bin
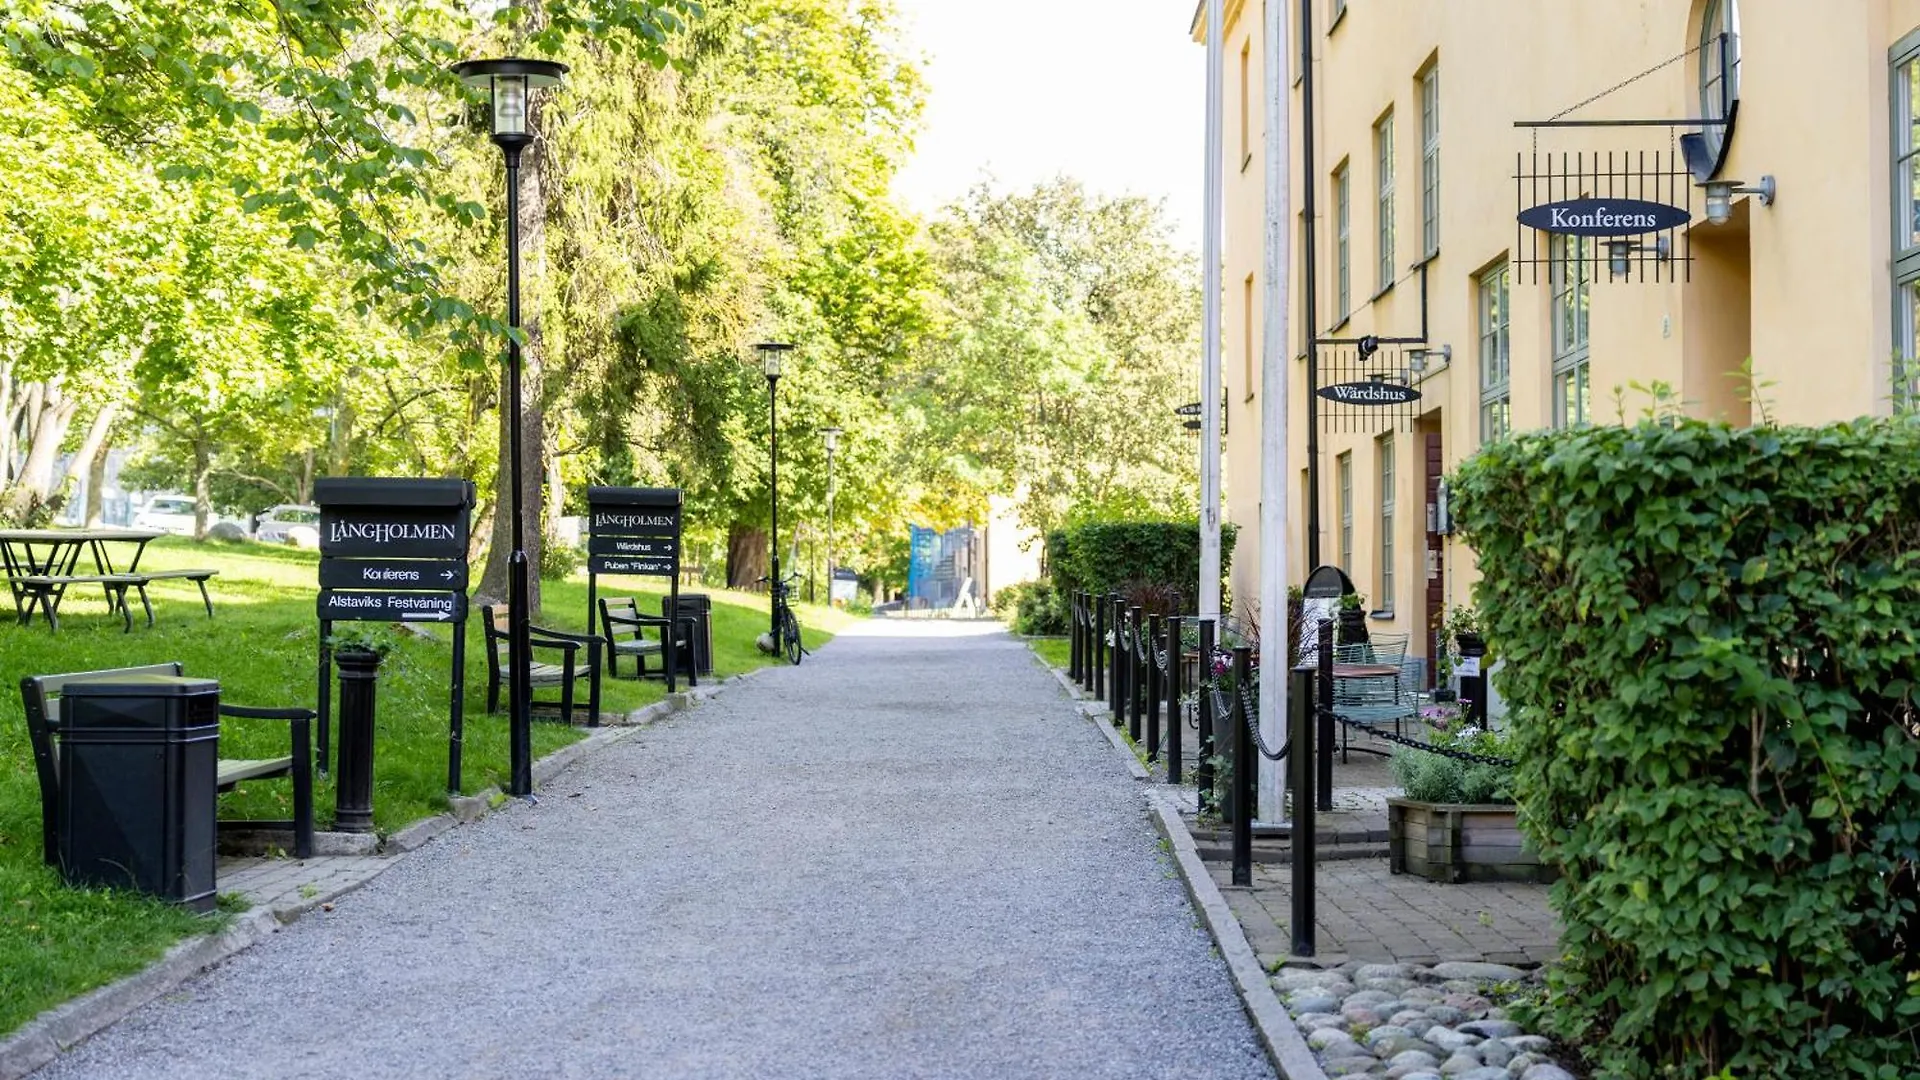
139, 762
697, 608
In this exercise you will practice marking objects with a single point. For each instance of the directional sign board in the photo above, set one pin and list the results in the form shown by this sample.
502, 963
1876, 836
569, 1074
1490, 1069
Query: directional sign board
395, 550
633, 531
337, 605
337, 573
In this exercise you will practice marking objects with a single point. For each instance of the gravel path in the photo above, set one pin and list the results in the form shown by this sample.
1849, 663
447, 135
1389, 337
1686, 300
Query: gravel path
906, 858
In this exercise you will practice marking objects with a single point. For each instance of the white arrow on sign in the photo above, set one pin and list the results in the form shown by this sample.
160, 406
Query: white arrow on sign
436, 616
448, 574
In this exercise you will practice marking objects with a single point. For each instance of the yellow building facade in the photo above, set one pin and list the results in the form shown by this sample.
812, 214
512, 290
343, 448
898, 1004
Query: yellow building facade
1800, 308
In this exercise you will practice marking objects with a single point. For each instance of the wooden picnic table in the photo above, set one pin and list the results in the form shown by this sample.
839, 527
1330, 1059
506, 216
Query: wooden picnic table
55, 553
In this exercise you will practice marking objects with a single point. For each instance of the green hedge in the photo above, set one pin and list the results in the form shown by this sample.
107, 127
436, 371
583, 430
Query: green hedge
1105, 557
1711, 664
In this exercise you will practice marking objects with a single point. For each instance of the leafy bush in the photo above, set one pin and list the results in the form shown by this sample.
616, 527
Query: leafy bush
1436, 778
1035, 607
1710, 674
1105, 557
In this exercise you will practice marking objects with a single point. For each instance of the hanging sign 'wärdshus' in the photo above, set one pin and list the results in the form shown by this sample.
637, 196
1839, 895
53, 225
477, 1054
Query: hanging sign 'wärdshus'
1369, 393
1603, 217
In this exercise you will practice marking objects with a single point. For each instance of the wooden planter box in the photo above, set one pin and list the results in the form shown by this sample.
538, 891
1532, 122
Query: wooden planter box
1458, 842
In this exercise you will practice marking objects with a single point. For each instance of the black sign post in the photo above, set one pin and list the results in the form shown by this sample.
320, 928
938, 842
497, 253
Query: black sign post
395, 550
636, 532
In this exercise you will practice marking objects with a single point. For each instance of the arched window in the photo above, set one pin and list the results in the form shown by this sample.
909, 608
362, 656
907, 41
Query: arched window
1719, 68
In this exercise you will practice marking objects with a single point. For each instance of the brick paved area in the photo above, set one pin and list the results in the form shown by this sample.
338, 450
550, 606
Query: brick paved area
1366, 913
293, 885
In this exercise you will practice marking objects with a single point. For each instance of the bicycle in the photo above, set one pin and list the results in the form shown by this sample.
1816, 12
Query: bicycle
786, 634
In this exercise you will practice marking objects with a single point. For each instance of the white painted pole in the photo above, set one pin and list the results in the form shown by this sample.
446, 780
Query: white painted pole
1212, 232
1274, 651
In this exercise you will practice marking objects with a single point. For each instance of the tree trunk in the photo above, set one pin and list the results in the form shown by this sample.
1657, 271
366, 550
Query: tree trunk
7, 423
90, 447
746, 556
202, 493
50, 421
96, 484
533, 426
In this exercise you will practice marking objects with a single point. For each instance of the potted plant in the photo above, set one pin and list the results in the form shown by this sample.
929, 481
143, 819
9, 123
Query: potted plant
1459, 638
1456, 820
1351, 627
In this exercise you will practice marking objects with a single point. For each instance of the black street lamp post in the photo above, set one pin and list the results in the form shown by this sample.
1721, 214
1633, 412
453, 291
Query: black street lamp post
771, 353
832, 437
508, 82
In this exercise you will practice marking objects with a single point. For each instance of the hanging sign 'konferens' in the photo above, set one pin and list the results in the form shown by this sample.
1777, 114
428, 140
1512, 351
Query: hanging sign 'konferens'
1370, 392
1603, 217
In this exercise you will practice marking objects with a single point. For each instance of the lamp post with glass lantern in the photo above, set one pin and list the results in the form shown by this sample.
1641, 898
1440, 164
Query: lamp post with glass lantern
508, 82
771, 353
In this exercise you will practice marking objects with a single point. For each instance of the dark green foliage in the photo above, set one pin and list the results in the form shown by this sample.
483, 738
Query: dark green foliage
1127, 556
1710, 665
1037, 608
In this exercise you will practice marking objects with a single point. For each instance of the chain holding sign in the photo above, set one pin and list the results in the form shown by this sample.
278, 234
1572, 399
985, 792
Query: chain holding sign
395, 550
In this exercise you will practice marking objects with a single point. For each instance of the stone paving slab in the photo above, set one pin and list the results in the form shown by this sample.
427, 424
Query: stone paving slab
286, 886
1366, 913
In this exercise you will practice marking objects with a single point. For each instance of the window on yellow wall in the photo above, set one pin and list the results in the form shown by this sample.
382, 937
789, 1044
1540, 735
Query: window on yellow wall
1384, 602
1570, 278
1246, 98
1343, 243
1430, 160
1905, 58
1496, 397
1383, 171
1246, 336
1343, 471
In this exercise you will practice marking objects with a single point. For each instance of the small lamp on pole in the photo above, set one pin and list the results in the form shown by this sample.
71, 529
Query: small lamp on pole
508, 82
772, 355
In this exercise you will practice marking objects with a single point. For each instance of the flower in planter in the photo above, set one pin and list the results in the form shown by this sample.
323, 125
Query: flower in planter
1437, 778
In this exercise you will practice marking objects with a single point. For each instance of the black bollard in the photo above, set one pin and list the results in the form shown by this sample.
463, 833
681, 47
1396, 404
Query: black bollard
1157, 643
1243, 770
353, 780
1301, 712
1136, 674
1203, 777
1176, 723
1473, 678
1099, 673
1324, 717
1073, 637
1117, 700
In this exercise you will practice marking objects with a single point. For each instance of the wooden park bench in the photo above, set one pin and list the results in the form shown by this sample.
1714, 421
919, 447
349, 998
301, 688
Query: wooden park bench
625, 629
41, 694
493, 618
47, 590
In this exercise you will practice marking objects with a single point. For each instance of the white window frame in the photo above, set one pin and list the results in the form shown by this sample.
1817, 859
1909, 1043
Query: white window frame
1383, 205
1386, 448
1343, 471
1343, 245
1904, 88
1430, 160
1495, 305
1570, 280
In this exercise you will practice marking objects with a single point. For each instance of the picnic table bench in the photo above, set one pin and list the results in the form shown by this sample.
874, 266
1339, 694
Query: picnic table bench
42, 564
42, 695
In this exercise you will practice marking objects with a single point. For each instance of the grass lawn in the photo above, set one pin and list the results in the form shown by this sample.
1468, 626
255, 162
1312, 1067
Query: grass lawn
1057, 651
262, 644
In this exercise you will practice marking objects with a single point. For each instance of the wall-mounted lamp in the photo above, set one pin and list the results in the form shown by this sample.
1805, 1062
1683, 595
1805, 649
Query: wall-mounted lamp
1420, 355
1720, 195
1620, 253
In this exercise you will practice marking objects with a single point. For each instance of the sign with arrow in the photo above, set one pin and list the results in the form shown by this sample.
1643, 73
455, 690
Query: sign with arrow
436, 574
661, 547
340, 606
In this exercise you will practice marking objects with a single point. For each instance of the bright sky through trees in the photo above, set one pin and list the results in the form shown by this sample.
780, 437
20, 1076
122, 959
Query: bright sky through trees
1107, 91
